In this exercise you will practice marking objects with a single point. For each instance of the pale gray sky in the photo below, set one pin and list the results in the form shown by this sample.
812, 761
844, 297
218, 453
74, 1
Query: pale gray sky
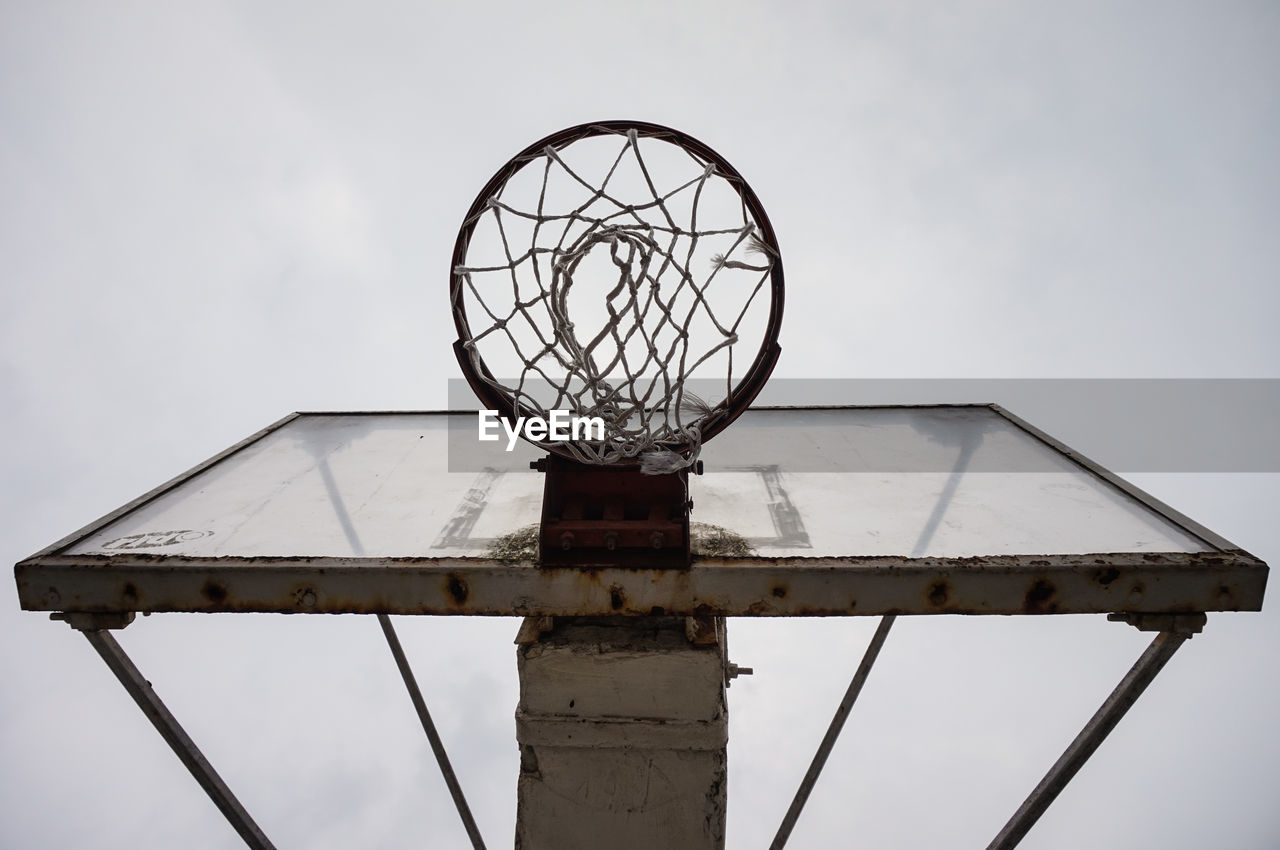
216, 213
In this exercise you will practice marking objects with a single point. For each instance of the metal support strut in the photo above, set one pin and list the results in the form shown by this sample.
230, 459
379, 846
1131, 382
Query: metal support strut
833, 732
437, 746
1089, 739
174, 735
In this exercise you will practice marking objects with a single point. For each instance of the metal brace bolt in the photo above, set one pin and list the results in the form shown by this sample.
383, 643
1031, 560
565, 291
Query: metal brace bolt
733, 671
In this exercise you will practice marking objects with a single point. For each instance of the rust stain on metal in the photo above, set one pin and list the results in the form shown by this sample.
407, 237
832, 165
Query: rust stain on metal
790, 586
214, 592
1039, 598
1106, 576
457, 588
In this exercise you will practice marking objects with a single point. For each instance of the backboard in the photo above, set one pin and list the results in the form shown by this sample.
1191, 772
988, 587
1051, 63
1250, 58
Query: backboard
800, 511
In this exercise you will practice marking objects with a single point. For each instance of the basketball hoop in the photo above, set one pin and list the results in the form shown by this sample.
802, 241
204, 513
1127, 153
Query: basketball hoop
599, 273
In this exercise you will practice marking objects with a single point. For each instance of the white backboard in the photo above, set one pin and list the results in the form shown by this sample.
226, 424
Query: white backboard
846, 510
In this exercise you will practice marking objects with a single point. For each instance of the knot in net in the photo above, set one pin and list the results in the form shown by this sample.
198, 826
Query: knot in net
612, 272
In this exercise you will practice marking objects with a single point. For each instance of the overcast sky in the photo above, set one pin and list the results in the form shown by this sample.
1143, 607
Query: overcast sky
212, 214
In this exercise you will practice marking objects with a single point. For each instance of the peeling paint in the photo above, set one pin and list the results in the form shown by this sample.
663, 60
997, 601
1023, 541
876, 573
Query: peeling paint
1039, 598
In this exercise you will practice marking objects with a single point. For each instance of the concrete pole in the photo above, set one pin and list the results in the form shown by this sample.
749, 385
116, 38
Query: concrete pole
622, 726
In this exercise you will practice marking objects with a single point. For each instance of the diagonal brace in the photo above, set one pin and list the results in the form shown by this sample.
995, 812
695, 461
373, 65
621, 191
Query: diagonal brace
176, 737
833, 732
428, 726
1159, 652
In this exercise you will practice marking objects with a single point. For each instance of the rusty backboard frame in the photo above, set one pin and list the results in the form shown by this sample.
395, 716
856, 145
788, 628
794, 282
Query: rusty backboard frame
433, 558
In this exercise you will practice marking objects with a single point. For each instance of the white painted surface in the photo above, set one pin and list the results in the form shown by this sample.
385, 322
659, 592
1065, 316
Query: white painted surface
941, 482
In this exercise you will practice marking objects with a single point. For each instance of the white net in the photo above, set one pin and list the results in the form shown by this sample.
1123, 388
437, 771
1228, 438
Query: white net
602, 279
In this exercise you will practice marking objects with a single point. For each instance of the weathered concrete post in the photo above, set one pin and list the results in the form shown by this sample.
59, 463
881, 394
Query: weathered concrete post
622, 727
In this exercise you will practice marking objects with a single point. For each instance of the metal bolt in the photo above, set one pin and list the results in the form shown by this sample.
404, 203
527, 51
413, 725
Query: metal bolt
611, 541
656, 539
733, 671
566, 541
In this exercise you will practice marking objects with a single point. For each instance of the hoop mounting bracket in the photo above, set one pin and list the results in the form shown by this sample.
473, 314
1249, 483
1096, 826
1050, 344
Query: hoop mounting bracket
613, 516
